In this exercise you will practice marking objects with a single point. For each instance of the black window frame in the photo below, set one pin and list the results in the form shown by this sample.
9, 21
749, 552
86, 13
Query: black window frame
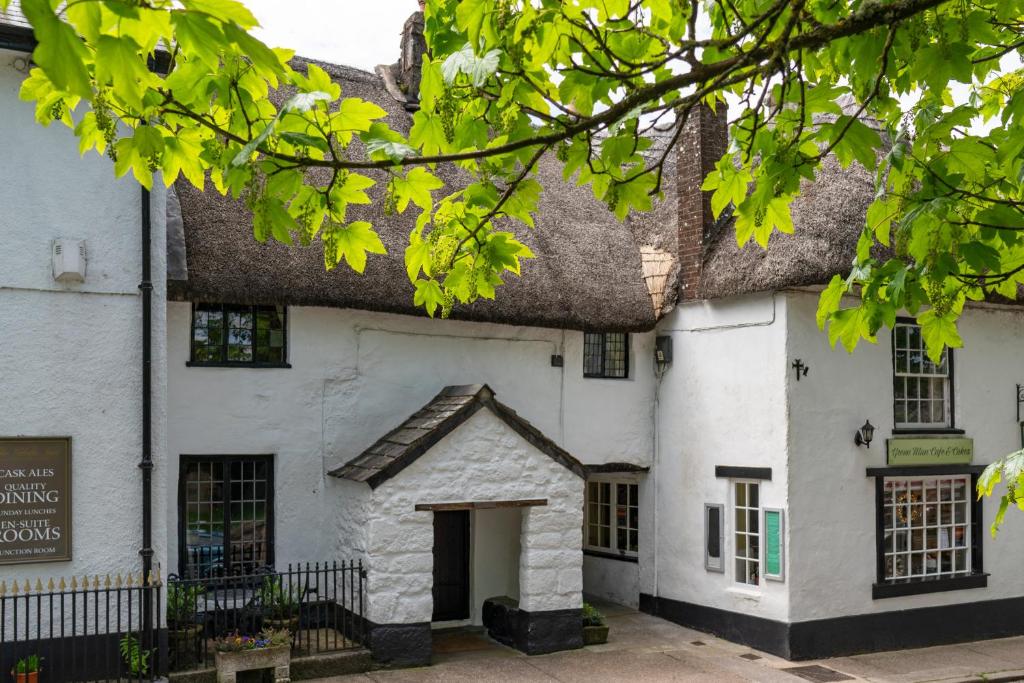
950, 364
225, 363
884, 588
604, 357
226, 460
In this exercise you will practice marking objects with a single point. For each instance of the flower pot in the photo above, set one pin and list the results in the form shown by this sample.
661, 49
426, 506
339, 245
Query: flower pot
31, 677
595, 635
276, 658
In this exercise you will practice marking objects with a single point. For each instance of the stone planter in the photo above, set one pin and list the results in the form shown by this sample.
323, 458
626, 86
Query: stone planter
595, 635
229, 664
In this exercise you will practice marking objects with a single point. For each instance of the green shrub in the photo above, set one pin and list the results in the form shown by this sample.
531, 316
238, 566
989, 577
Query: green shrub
181, 603
591, 617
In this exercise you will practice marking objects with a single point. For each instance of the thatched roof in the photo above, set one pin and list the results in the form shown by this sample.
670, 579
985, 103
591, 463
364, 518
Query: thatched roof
589, 271
410, 440
828, 216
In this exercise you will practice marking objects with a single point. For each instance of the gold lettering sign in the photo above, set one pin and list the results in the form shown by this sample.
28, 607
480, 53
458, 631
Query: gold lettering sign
35, 500
930, 451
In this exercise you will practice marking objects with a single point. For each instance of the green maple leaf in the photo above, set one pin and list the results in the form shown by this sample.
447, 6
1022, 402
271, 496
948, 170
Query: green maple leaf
429, 295
351, 242
416, 186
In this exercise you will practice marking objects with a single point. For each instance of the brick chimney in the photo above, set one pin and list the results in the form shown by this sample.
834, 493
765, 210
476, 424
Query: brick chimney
702, 144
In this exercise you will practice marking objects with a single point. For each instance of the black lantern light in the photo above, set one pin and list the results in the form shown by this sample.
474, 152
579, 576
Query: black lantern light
865, 434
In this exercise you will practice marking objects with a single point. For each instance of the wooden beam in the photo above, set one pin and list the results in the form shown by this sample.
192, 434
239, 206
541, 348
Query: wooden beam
481, 505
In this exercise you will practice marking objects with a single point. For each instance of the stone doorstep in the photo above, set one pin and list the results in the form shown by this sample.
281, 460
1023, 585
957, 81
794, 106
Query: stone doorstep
303, 668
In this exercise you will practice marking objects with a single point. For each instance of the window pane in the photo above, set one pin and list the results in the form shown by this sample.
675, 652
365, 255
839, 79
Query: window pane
615, 358
593, 354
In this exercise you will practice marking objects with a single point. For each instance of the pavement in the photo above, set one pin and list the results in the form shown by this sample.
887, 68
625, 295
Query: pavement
645, 648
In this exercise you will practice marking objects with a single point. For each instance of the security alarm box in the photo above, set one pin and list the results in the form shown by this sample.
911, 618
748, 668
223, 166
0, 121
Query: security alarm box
69, 260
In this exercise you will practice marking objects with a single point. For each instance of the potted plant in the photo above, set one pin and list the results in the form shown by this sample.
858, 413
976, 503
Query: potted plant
270, 649
183, 633
280, 605
27, 670
595, 630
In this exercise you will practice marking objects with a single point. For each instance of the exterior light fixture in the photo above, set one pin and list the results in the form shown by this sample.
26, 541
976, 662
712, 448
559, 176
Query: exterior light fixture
865, 434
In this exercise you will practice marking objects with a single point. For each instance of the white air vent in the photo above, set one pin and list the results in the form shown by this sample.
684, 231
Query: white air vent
69, 260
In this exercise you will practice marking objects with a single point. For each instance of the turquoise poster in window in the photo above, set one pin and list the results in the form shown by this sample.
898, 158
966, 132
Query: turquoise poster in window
773, 539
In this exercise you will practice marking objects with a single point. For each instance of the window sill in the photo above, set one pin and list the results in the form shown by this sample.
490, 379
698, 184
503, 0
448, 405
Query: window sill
894, 590
909, 431
261, 366
741, 591
586, 376
611, 556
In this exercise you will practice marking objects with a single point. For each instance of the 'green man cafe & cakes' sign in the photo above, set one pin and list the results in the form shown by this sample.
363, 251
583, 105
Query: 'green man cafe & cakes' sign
930, 451
35, 500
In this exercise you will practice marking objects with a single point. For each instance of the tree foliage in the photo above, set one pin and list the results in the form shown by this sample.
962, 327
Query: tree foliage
509, 81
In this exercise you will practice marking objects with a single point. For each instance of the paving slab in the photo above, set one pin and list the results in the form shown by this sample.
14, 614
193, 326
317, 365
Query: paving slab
645, 648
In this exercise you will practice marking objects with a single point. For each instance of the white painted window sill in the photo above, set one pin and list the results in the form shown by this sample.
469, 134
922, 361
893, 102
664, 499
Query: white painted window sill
750, 594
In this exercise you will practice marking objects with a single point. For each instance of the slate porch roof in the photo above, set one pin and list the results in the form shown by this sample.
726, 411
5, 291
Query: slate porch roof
400, 447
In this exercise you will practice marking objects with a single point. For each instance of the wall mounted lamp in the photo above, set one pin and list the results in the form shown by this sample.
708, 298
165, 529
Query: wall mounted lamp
865, 434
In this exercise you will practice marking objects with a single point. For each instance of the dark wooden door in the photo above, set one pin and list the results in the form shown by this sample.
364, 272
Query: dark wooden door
451, 565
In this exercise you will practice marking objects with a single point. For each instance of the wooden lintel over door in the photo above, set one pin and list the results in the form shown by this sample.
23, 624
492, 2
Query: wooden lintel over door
481, 505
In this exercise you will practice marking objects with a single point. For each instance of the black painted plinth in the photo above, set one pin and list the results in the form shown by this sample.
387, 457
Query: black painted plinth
534, 633
840, 636
399, 645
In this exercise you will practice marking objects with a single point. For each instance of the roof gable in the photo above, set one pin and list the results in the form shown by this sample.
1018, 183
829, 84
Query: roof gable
451, 408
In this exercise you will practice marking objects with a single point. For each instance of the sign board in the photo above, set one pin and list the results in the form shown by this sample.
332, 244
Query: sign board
35, 500
773, 538
938, 451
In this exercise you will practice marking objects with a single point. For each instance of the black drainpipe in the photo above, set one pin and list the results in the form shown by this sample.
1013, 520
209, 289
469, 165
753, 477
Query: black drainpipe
146, 464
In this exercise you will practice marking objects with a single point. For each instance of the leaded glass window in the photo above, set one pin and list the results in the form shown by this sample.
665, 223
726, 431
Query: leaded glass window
606, 354
226, 508
238, 335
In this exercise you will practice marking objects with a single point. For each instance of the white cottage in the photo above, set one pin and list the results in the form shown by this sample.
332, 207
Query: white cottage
649, 414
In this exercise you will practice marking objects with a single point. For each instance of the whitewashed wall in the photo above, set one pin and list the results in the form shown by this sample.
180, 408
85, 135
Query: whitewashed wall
614, 580
494, 556
70, 355
721, 402
484, 459
356, 375
832, 502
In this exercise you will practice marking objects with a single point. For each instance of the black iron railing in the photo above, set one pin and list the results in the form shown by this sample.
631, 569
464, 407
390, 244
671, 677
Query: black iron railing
88, 629
320, 604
